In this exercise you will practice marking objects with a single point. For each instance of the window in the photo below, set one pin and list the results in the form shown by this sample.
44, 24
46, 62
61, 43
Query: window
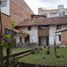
27, 39
43, 27
59, 37
29, 27
62, 14
58, 27
20, 39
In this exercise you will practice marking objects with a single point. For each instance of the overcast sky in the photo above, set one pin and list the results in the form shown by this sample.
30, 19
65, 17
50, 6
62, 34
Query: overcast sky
49, 4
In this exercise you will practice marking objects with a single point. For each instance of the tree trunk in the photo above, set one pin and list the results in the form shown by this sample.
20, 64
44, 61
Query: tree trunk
48, 48
8, 55
55, 52
1, 48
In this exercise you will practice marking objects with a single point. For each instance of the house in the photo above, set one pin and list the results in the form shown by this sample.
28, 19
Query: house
39, 30
60, 11
42, 31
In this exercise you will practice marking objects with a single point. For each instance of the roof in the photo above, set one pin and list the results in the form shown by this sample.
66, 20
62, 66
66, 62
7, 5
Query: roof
37, 16
61, 31
16, 31
44, 21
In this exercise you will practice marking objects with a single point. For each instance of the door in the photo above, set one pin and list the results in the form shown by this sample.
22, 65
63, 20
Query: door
44, 41
47, 41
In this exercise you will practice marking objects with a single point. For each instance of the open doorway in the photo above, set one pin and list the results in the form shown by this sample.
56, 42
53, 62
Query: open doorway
27, 39
44, 41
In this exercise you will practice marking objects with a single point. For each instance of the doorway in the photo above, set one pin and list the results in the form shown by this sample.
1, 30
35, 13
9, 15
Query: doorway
44, 41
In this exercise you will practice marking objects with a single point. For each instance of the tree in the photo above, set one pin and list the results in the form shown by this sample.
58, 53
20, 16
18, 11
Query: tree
55, 49
12, 23
4, 44
55, 52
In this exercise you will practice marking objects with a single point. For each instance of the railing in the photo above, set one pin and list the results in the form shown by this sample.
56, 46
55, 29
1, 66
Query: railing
21, 54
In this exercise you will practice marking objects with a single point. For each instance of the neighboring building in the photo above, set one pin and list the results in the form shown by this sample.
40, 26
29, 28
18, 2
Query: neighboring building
42, 31
15, 10
5, 22
5, 17
61, 11
19, 11
6, 7
63, 37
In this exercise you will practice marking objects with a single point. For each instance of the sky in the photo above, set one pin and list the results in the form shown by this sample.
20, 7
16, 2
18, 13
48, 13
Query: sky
46, 4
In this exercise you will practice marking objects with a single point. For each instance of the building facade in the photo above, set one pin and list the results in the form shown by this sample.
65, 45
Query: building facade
19, 11
5, 17
42, 31
15, 10
61, 11
63, 37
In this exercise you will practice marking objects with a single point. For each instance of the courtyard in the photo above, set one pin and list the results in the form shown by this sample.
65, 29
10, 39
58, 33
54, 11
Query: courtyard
40, 57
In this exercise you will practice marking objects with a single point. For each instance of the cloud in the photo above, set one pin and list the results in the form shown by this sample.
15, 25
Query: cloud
49, 4
49, 1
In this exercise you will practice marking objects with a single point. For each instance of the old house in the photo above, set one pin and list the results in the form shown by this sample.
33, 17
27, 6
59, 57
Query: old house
42, 30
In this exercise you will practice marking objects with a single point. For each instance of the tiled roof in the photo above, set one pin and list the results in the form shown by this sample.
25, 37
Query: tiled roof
44, 21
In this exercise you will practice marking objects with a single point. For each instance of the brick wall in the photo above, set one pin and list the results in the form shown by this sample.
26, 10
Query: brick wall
64, 38
19, 10
5, 21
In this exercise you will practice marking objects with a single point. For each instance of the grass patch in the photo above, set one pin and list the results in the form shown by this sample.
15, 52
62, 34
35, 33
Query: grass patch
44, 59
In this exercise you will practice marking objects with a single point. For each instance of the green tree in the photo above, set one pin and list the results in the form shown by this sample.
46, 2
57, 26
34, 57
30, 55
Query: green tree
7, 45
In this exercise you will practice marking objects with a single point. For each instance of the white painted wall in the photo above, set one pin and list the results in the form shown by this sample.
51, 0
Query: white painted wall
53, 36
52, 31
33, 33
6, 8
57, 38
17, 39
